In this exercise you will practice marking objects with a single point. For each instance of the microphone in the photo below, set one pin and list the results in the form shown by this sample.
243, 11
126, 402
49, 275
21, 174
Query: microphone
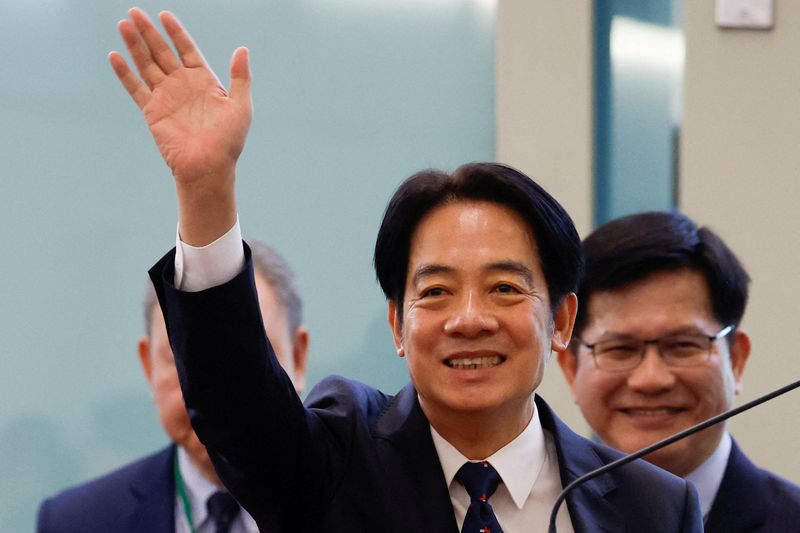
662, 443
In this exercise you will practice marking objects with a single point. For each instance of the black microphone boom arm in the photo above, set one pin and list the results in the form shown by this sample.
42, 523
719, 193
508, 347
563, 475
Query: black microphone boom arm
662, 443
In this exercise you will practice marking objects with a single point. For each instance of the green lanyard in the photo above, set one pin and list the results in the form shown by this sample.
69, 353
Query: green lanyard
181, 488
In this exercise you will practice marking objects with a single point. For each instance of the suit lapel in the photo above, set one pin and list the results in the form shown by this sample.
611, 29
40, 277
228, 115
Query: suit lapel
153, 495
589, 509
739, 504
407, 454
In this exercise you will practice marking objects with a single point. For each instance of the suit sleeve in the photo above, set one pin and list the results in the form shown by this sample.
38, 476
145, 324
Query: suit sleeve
241, 403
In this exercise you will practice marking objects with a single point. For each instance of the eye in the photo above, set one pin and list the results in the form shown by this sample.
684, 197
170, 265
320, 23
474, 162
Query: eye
505, 288
432, 292
685, 345
617, 349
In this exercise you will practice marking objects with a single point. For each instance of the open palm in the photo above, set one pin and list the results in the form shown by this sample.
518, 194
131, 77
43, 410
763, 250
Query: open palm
199, 127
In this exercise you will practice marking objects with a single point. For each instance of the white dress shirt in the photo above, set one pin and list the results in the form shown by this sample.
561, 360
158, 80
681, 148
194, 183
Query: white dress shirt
198, 490
200, 268
708, 476
528, 465
531, 481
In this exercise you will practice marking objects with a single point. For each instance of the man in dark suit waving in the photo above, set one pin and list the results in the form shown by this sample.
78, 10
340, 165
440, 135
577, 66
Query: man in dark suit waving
171, 490
479, 268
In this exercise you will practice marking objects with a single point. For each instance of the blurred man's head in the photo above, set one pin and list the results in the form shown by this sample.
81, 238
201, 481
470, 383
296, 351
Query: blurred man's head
281, 310
657, 346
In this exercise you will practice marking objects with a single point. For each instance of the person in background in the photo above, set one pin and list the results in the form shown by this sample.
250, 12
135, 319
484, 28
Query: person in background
658, 348
177, 489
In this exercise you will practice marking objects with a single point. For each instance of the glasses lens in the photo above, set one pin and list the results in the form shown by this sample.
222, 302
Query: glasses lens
618, 354
685, 350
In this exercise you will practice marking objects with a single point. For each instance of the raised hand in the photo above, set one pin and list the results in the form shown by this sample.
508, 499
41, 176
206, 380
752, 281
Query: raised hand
199, 127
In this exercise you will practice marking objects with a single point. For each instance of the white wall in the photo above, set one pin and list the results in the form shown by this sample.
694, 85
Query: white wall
740, 168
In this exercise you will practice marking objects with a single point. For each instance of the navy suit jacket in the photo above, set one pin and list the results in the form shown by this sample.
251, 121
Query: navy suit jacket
137, 498
753, 500
357, 460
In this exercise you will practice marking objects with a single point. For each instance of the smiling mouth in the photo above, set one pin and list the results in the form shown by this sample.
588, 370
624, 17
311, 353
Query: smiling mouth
472, 363
651, 411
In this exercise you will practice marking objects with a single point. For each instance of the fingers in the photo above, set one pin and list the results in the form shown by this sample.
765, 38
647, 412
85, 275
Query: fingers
149, 70
138, 90
159, 49
151, 53
187, 50
155, 60
240, 75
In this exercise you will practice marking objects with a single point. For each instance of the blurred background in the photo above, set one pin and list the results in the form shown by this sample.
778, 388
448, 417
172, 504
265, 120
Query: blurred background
614, 106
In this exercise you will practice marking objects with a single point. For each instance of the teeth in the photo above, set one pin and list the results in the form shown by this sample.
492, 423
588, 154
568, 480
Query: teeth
470, 363
651, 412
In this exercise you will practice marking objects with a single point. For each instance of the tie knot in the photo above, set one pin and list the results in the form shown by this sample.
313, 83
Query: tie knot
222, 508
480, 480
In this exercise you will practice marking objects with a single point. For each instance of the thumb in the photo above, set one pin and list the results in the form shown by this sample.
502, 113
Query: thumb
240, 74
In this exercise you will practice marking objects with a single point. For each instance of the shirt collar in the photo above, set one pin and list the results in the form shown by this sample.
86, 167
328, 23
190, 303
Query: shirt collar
198, 488
519, 462
708, 476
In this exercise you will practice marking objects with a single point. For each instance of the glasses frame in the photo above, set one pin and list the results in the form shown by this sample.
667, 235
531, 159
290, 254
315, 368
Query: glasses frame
724, 332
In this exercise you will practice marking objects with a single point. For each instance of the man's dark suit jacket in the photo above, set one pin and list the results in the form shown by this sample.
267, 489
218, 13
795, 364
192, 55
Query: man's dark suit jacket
357, 460
753, 500
137, 498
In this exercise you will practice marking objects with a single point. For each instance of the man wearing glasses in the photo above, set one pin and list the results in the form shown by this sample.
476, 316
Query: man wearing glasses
657, 348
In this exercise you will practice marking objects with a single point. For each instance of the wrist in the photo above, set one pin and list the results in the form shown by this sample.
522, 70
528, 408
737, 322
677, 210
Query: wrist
205, 211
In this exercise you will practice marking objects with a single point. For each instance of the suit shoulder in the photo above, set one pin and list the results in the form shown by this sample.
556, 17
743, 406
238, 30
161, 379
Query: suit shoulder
754, 499
671, 503
784, 495
741, 475
640, 472
99, 503
339, 396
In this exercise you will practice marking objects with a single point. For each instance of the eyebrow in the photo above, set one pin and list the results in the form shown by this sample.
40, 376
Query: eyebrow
430, 270
687, 330
513, 267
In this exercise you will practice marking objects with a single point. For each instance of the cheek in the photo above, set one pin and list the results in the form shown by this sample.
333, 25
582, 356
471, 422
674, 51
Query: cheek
594, 391
714, 392
417, 330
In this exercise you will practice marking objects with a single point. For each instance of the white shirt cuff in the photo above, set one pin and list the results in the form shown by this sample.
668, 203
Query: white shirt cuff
197, 269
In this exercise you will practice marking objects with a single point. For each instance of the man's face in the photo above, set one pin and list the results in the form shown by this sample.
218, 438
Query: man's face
633, 409
477, 326
159, 367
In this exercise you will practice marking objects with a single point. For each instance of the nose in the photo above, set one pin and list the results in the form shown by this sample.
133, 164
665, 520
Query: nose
652, 375
471, 317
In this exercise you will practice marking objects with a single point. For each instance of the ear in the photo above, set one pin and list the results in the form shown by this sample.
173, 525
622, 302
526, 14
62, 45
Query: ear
568, 361
397, 328
563, 322
740, 352
144, 358
300, 358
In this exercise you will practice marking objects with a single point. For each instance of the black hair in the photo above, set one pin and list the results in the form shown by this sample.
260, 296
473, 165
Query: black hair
552, 228
633, 247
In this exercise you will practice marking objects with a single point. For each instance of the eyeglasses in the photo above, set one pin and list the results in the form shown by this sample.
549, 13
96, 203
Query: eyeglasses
682, 350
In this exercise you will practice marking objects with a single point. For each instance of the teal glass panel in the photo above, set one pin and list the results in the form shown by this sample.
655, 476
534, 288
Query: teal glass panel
639, 55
